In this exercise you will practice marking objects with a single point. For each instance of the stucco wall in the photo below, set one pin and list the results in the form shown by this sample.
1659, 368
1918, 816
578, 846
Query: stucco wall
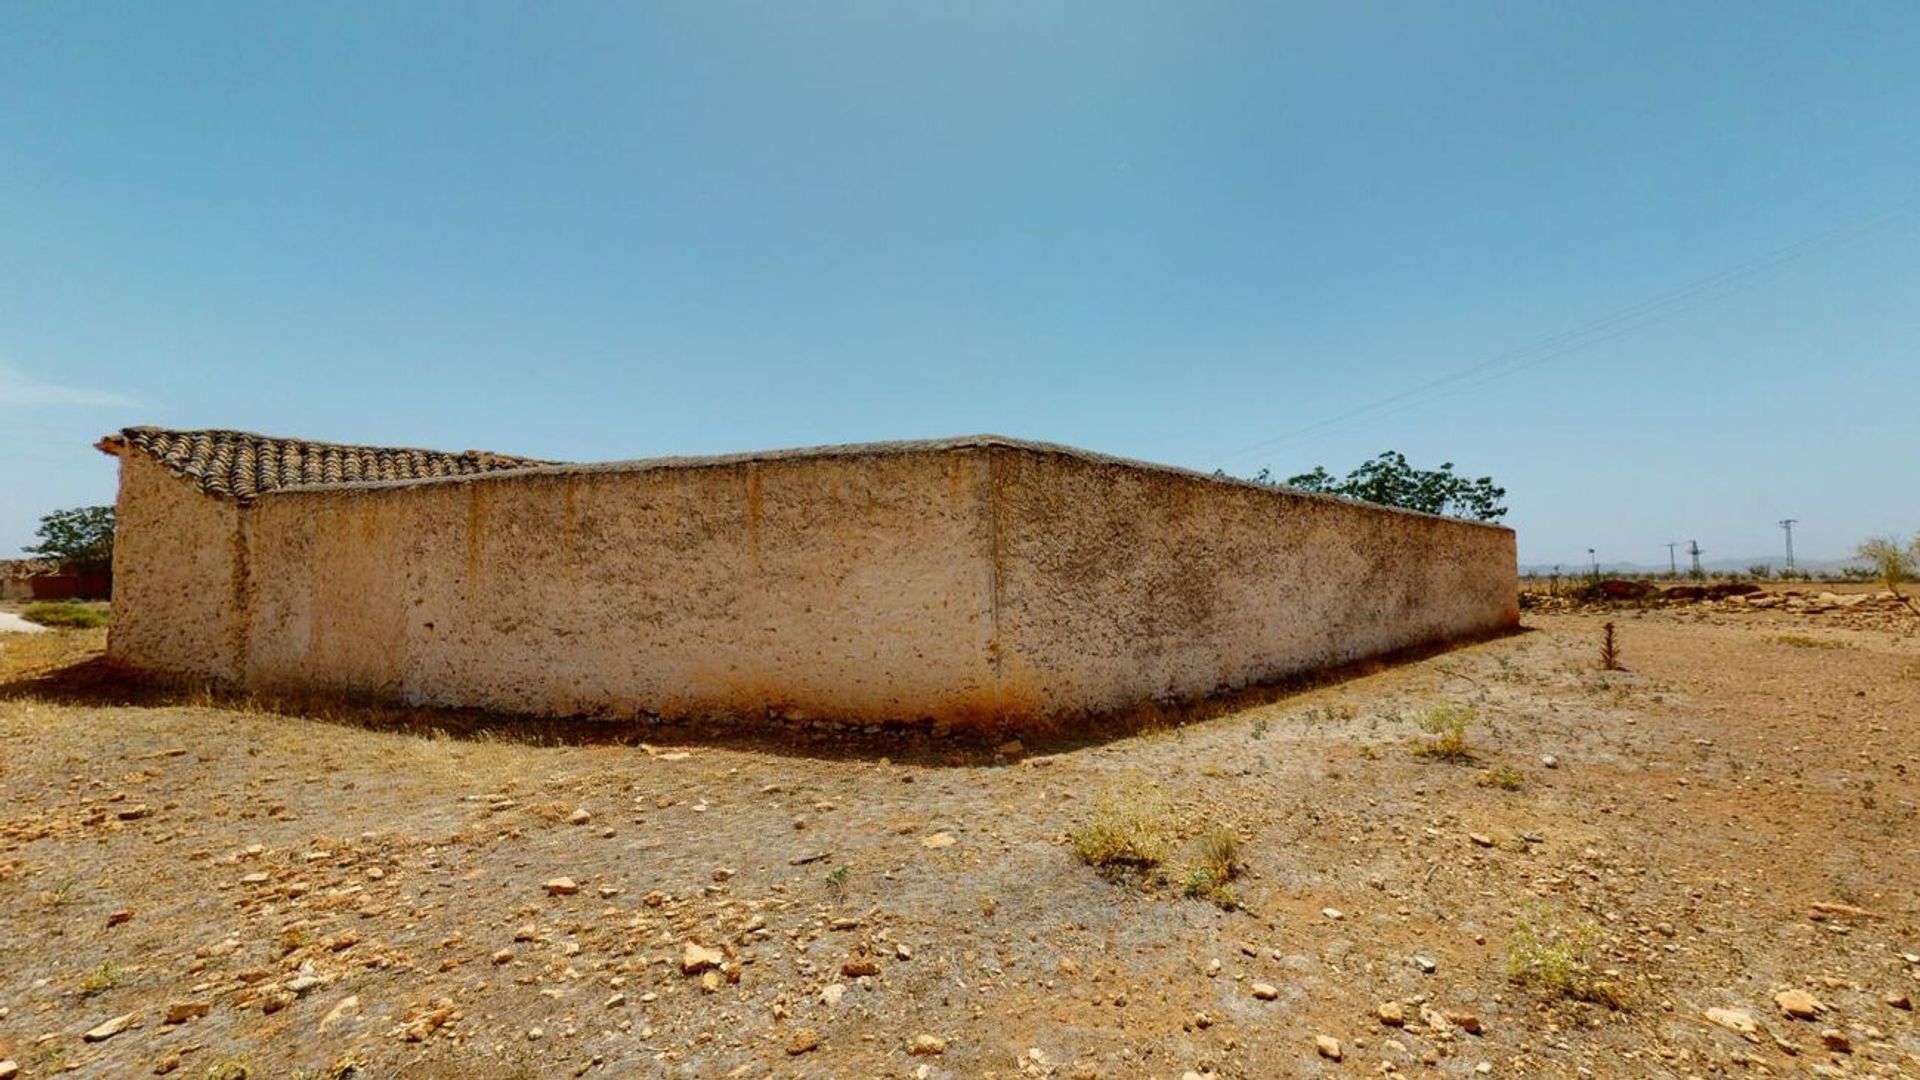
1120, 584
979, 582
800, 584
177, 568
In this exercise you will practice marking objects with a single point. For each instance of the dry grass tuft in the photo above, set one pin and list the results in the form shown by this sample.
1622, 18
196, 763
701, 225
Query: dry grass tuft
1504, 777
1802, 641
1212, 877
1132, 828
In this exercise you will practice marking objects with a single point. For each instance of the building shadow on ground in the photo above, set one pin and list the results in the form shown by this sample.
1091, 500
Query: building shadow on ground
94, 681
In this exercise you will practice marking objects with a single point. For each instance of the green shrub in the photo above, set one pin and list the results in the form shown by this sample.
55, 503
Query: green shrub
1448, 726
1558, 961
65, 616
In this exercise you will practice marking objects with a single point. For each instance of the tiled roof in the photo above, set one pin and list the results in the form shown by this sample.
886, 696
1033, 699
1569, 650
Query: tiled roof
241, 465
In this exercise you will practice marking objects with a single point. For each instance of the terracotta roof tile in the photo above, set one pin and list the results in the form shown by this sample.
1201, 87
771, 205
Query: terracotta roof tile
241, 465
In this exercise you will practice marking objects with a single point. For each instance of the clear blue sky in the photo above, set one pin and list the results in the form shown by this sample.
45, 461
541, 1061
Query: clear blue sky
1169, 231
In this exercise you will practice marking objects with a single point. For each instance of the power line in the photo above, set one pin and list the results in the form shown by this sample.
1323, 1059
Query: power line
1788, 524
1649, 312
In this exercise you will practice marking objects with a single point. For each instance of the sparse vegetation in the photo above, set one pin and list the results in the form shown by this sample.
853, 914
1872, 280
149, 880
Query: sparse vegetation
1894, 564
1212, 876
1609, 649
1446, 725
1131, 828
837, 878
233, 1068
64, 615
1802, 641
100, 979
1558, 960
1504, 777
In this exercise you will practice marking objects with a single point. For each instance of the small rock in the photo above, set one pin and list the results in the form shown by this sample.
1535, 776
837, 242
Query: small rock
616, 1000
179, 1012
580, 816
803, 1040
1425, 964
1739, 1020
536, 1034
1465, 1021
723, 873
1329, 1047
1836, 1040
937, 840
133, 813
1332, 913
1265, 991
695, 958
124, 915
1549, 761
109, 1029
1392, 1014
1899, 1000
1480, 839
1798, 1004
9, 1069
349, 1006
859, 967
274, 1000
562, 886
927, 1046
1010, 748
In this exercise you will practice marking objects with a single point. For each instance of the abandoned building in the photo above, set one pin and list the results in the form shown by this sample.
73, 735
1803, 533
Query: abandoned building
981, 582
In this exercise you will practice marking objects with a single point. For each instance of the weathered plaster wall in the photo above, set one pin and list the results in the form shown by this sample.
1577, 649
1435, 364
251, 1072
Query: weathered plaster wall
806, 585
975, 581
1120, 584
178, 566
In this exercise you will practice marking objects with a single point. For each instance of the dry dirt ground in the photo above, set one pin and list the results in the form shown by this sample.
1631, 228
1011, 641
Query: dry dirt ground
213, 890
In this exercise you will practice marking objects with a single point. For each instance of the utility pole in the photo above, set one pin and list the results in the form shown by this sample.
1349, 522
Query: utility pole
1595, 559
1693, 549
1788, 524
1673, 567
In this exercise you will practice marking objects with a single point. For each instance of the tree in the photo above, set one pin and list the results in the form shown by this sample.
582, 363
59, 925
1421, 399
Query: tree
80, 537
1391, 481
1893, 564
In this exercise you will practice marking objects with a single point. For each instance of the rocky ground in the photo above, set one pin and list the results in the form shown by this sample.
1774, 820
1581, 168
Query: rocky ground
1703, 865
